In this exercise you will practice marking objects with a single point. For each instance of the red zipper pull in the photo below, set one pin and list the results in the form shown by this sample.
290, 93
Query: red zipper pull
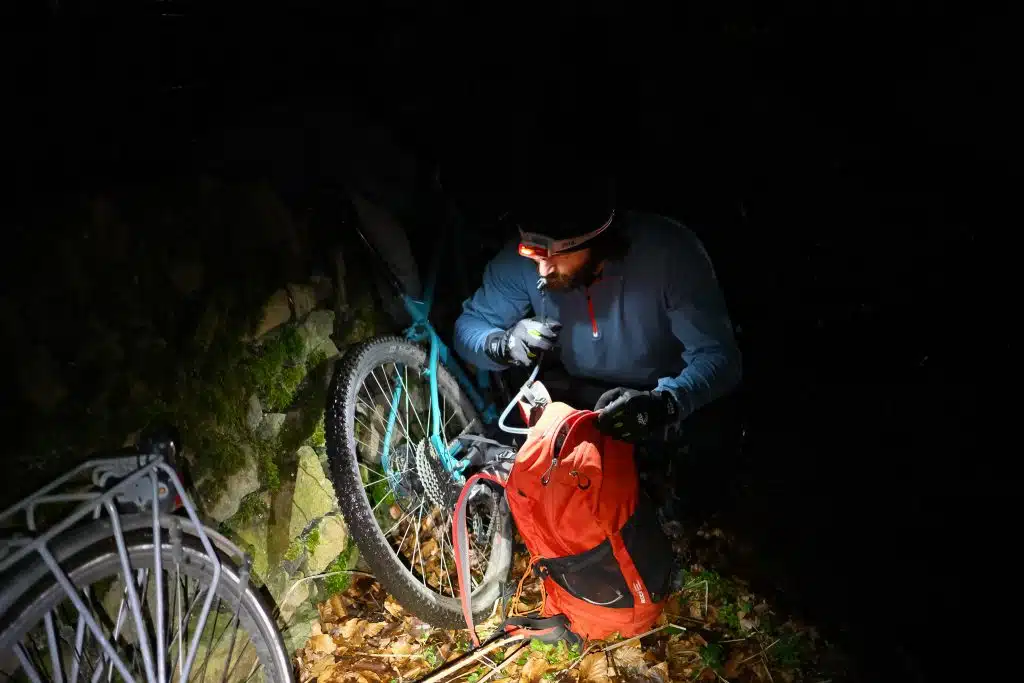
593, 320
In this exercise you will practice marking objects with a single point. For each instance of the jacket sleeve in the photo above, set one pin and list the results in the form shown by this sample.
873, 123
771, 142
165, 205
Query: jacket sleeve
502, 300
700, 320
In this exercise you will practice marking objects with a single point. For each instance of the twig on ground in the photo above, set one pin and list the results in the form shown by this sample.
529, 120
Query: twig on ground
580, 658
450, 668
757, 654
642, 635
284, 598
509, 657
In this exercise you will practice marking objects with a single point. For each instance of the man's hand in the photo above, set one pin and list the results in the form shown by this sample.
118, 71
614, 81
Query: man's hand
632, 415
523, 342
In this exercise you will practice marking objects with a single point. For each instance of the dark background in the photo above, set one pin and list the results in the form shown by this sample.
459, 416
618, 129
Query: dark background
842, 162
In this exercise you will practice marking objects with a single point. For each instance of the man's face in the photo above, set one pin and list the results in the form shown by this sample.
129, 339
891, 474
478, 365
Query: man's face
565, 271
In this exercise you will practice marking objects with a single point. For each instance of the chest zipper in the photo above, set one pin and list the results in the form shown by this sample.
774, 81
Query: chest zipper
593, 320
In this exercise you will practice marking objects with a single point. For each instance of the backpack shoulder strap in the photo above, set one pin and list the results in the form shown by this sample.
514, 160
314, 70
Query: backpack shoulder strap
460, 545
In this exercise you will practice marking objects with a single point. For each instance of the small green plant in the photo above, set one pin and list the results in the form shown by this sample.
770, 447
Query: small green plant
318, 439
295, 550
339, 582
312, 541
711, 656
787, 652
432, 656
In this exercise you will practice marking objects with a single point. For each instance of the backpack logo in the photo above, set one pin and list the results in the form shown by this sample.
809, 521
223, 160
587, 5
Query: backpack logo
639, 590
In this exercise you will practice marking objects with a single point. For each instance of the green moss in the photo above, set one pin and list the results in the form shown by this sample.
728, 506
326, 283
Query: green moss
318, 440
339, 583
295, 550
312, 541
278, 369
251, 509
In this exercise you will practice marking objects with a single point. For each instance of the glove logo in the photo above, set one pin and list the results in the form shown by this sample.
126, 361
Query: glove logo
641, 419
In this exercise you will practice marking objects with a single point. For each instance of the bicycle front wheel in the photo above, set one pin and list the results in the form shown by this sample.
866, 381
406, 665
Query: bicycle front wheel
45, 637
396, 495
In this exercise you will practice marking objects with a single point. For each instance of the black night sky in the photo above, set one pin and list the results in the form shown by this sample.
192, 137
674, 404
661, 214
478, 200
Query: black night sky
839, 160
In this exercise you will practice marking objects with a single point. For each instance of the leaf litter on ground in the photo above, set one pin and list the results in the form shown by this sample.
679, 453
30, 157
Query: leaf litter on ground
712, 629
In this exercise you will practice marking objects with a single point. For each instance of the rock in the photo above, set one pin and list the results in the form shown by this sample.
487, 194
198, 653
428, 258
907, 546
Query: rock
237, 486
303, 299
314, 494
329, 350
299, 626
333, 537
254, 416
254, 532
271, 425
293, 596
323, 288
277, 311
317, 328
187, 276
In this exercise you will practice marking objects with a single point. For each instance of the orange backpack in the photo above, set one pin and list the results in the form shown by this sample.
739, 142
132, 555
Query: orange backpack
592, 535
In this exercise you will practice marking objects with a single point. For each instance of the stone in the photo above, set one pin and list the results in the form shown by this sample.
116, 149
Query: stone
333, 537
271, 425
293, 596
299, 626
322, 287
254, 415
237, 486
303, 299
277, 311
318, 327
254, 533
313, 496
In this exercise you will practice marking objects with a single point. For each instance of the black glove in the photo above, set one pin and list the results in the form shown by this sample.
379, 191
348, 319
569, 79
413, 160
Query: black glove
632, 415
523, 342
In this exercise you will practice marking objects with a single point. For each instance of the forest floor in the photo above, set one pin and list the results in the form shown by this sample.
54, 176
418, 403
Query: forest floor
714, 628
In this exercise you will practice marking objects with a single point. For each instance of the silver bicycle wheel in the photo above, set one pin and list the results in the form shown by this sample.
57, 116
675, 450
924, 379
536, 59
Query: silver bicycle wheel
146, 625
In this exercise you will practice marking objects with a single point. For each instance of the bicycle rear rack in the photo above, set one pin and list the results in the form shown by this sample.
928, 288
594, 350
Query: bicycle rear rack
145, 483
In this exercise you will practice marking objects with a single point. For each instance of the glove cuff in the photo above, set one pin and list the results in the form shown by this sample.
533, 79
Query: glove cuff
670, 404
496, 347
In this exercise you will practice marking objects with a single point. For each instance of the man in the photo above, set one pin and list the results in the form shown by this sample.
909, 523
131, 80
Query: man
632, 308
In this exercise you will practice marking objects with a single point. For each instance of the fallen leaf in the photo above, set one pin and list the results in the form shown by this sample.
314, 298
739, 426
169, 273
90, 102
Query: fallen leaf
314, 629
322, 668
629, 657
322, 643
401, 646
337, 607
594, 669
660, 672
373, 630
535, 668
393, 608
732, 665
370, 666
352, 631
395, 512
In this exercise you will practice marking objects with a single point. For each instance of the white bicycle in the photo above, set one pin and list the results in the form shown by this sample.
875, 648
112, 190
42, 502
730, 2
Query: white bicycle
108, 572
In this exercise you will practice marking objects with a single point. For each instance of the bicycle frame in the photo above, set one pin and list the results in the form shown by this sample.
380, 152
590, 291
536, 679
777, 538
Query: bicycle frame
421, 330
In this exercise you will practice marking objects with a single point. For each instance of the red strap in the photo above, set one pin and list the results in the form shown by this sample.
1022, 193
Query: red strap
460, 545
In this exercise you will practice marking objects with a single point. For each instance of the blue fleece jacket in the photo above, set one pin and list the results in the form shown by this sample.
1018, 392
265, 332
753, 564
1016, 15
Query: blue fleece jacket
656, 319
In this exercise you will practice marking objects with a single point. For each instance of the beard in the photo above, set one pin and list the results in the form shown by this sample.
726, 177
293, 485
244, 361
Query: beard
578, 279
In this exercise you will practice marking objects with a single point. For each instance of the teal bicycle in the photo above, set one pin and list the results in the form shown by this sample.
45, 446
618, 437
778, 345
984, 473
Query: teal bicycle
396, 408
